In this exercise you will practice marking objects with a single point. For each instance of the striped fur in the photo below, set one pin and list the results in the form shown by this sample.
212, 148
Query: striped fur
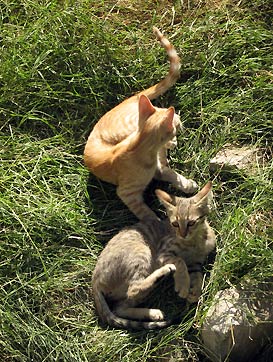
174, 71
127, 146
122, 323
138, 257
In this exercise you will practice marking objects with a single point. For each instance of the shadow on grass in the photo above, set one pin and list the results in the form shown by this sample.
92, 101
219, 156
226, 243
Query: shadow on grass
108, 210
110, 213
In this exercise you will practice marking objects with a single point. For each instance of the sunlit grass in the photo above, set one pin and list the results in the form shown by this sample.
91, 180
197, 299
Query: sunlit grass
63, 64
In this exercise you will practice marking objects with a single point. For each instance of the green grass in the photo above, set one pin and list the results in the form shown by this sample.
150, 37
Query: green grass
63, 64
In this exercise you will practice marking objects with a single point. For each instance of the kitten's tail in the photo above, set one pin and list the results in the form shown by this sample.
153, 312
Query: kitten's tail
174, 71
110, 318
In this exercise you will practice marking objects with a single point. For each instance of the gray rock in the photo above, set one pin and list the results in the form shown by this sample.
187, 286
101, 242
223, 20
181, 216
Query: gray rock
238, 324
232, 158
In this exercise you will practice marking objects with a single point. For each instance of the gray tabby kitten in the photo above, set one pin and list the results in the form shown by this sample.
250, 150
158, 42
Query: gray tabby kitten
139, 256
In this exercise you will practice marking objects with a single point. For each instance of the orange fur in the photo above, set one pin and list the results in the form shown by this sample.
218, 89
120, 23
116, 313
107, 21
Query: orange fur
127, 146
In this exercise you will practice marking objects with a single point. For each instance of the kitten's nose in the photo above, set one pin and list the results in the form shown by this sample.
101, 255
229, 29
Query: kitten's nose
183, 230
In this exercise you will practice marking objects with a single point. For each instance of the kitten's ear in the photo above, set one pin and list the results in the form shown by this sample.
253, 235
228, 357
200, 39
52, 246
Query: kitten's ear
145, 109
169, 201
204, 197
168, 121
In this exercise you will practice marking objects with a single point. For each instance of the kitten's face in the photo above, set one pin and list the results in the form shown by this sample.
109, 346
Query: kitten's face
187, 215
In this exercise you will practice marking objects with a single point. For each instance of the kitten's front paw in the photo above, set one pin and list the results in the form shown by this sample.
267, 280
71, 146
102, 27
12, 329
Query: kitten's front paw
181, 285
194, 295
182, 292
133, 292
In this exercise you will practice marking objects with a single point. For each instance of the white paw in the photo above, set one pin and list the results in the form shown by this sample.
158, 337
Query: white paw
170, 268
171, 144
156, 315
190, 186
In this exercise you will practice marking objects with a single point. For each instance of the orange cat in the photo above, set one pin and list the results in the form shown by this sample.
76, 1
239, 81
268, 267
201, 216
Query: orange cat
128, 145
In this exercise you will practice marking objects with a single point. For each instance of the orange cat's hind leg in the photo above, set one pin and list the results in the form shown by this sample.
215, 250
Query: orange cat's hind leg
133, 199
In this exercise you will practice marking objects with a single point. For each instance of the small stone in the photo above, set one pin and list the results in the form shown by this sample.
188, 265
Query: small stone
232, 158
238, 324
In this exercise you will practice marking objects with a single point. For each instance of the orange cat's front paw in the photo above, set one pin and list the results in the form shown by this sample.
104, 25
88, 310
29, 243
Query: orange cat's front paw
186, 185
190, 186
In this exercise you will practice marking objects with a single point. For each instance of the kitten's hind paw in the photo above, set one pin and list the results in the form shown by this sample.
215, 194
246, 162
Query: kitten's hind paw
170, 268
164, 271
156, 315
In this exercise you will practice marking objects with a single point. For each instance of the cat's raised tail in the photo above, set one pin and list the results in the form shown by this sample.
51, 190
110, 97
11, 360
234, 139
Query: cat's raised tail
114, 321
174, 70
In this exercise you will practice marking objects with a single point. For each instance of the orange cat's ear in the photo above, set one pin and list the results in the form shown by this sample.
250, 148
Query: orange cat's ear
145, 108
168, 121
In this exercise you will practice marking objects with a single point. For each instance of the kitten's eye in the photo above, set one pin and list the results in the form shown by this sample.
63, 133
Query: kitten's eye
175, 224
191, 223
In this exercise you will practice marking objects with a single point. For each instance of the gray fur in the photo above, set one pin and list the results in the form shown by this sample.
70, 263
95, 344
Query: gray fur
139, 256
